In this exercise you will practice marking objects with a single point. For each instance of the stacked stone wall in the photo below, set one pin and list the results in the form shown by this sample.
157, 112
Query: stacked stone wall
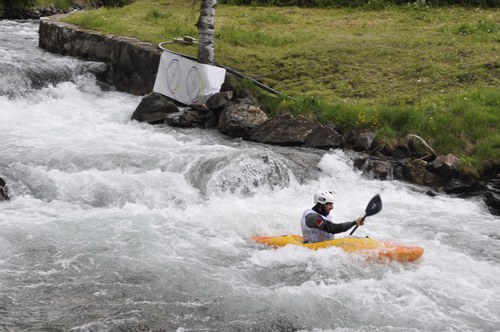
133, 64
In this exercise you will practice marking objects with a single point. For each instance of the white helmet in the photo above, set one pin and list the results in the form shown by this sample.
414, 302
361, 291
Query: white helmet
323, 197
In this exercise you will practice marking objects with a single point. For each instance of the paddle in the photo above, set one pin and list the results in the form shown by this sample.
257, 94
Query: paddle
373, 207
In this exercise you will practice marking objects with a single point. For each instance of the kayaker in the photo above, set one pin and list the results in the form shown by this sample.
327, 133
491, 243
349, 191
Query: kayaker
316, 223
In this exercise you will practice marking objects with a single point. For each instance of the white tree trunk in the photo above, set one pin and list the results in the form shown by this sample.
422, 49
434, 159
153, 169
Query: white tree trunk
206, 23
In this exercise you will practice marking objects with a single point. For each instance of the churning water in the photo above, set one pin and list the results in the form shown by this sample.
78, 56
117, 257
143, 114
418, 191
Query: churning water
115, 225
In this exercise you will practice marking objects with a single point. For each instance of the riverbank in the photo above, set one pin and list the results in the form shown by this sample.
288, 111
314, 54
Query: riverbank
428, 71
132, 67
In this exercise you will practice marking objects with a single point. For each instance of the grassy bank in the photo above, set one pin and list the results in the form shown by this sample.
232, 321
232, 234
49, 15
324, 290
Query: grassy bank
434, 72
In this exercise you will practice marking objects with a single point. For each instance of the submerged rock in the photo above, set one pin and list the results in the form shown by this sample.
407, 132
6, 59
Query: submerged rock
492, 196
3, 191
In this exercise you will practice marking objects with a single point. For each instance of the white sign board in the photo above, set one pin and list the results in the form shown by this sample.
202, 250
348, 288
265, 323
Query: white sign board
186, 80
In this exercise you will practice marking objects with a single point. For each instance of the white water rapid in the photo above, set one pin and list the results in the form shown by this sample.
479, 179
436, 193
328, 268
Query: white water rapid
115, 225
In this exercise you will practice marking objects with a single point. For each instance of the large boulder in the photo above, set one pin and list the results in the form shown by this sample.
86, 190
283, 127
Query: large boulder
3, 191
325, 137
447, 166
285, 130
238, 120
154, 109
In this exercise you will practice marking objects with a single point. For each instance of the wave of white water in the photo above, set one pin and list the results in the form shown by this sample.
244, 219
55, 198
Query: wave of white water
115, 225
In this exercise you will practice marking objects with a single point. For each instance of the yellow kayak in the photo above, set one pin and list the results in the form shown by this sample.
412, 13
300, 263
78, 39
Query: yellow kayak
367, 247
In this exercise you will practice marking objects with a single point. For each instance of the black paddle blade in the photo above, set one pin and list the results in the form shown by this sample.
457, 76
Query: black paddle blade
374, 206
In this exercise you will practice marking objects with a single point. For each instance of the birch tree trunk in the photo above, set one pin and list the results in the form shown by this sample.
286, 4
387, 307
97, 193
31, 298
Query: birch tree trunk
206, 23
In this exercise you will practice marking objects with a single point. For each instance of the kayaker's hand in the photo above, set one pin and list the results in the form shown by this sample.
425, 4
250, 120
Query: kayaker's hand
360, 221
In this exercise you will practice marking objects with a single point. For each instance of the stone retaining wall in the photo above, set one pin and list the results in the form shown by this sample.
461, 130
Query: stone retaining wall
133, 64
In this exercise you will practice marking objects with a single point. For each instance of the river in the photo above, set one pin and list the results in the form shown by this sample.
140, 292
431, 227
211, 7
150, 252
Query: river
115, 225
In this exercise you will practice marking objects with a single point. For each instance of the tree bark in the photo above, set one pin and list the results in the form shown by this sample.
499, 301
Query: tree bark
206, 23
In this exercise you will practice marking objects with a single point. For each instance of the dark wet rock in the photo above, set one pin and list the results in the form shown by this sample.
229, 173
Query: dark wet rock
154, 109
492, 200
285, 130
374, 167
4, 196
239, 120
416, 172
399, 170
210, 118
227, 86
101, 71
431, 193
326, 137
44, 76
447, 166
492, 196
378, 169
463, 187
492, 170
93, 67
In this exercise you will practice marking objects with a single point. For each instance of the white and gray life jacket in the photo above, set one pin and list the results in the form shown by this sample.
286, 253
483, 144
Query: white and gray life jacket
314, 234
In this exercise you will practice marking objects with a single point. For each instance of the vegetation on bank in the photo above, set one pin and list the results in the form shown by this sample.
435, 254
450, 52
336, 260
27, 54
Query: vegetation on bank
430, 71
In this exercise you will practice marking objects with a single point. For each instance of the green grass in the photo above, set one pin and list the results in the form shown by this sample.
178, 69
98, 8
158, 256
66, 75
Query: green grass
434, 72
